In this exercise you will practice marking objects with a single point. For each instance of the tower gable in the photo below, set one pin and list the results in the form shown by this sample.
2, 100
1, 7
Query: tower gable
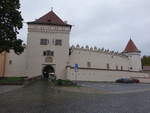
50, 19
131, 47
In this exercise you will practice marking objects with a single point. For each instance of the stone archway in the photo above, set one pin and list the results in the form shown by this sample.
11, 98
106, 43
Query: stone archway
48, 70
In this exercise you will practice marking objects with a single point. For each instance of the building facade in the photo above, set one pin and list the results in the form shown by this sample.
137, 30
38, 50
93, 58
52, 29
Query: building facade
48, 51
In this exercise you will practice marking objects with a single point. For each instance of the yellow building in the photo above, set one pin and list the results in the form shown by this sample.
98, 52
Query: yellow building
2, 63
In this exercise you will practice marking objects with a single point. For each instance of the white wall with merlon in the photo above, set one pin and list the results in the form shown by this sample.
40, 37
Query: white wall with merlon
98, 59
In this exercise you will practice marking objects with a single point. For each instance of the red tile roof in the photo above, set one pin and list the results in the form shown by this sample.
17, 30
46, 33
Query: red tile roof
50, 18
131, 47
146, 68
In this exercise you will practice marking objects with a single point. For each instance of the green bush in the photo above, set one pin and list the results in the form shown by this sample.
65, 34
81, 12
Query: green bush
61, 82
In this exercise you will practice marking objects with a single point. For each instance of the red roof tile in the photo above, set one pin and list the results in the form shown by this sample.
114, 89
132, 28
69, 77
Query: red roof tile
131, 47
50, 18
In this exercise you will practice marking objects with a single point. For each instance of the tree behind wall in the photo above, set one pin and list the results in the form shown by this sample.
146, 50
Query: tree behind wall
10, 23
146, 60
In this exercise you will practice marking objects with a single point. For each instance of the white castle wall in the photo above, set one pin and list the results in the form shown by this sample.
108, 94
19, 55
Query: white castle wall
103, 75
99, 58
17, 66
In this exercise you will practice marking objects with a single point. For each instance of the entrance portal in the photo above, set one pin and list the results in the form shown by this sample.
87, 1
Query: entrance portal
48, 70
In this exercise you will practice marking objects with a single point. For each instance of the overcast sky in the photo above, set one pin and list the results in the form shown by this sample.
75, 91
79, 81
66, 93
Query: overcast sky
101, 23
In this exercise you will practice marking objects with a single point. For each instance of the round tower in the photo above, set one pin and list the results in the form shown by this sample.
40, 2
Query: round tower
134, 55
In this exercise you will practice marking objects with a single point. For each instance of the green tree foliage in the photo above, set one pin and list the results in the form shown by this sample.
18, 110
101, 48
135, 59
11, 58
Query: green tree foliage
146, 60
10, 22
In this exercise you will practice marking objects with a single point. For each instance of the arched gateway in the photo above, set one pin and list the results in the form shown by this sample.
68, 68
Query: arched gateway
48, 71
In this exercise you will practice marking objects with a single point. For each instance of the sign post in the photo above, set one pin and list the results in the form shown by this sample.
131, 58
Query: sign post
76, 70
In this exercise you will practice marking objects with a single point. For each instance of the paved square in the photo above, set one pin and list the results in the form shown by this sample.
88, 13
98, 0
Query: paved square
40, 97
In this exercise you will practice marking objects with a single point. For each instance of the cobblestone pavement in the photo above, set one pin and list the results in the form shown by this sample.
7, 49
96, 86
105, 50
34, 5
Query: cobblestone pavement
40, 97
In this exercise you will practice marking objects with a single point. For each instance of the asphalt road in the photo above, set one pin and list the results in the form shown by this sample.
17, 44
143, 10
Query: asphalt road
40, 97
116, 87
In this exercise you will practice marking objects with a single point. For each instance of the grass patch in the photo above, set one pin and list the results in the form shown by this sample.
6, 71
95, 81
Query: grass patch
11, 79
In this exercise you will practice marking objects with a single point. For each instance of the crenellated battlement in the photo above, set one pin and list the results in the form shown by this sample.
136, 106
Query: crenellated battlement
95, 49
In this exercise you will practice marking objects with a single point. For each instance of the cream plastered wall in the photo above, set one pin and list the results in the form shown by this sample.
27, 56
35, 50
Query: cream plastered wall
102, 75
2, 64
36, 60
98, 59
16, 64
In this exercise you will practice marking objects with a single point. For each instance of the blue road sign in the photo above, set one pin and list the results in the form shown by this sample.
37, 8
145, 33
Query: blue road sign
76, 66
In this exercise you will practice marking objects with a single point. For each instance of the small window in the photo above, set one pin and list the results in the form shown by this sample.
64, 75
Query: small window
70, 51
88, 64
108, 66
121, 68
129, 68
10, 61
48, 53
58, 42
116, 67
44, 42
44, 53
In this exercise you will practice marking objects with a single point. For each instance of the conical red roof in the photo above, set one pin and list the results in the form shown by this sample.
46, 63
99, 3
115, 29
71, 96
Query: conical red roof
131, 47
50, 18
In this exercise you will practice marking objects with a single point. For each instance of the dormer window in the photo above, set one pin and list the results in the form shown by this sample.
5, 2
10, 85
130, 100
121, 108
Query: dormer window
49, 20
